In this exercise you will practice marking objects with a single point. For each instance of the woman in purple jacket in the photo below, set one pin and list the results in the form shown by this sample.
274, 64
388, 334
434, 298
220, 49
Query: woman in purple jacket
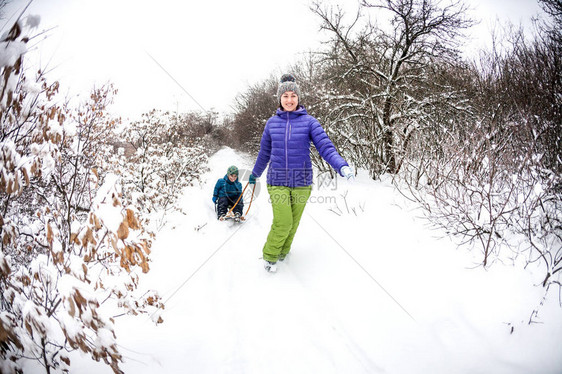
285, 146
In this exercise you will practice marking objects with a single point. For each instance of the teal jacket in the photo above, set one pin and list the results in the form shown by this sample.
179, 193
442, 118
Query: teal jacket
226, 188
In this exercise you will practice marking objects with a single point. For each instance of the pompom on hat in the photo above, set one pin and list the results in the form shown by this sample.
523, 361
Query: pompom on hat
288, 83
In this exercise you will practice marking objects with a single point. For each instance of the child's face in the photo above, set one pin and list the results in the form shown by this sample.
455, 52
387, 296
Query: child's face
233, 177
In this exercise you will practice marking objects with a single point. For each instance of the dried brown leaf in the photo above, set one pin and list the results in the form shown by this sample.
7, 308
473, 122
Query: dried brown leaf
132, 220
123, 231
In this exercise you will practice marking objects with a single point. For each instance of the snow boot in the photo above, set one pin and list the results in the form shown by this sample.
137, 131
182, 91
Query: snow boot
271, 267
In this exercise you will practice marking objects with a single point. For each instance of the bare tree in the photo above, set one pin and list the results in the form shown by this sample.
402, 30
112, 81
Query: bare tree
253, 108
383, 75
554, 9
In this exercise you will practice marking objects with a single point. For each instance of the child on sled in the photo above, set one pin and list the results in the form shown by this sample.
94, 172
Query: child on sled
227, 191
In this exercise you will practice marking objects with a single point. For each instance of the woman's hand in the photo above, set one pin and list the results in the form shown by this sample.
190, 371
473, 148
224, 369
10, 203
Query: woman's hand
347, 172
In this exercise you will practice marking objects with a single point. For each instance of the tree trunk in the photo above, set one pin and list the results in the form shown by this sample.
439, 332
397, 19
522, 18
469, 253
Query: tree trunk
389, 151
44, 356
388, 138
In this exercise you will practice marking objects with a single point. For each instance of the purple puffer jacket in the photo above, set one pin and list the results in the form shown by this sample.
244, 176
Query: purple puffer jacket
285, 144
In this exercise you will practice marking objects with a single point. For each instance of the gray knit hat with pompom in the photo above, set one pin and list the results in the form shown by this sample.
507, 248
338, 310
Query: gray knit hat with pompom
288, 83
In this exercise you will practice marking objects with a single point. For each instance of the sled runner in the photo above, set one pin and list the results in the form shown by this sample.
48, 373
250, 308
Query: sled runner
230, 216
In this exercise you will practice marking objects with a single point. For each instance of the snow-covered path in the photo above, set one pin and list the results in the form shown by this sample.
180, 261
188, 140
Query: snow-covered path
372, 292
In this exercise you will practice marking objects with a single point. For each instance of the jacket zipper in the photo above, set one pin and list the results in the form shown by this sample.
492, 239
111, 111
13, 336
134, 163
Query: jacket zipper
287, 137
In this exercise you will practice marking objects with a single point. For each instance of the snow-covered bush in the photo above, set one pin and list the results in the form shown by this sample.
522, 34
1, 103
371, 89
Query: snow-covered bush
71, 252
162, 154
487, 189
492, 174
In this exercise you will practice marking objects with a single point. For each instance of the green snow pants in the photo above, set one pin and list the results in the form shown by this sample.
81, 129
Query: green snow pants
288, 205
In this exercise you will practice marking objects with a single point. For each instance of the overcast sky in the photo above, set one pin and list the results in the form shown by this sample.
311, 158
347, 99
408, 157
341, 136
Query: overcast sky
213, 49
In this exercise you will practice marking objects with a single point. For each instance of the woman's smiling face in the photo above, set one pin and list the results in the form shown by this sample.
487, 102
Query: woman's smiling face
289, 101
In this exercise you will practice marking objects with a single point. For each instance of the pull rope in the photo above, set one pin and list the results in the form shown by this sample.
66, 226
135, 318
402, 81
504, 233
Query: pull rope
239, 197
251, 199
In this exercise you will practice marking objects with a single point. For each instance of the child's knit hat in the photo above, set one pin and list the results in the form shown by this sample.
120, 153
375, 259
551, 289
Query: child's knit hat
232, 170
288, 83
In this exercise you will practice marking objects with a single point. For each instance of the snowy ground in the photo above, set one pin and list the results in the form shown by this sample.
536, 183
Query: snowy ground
372, 292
